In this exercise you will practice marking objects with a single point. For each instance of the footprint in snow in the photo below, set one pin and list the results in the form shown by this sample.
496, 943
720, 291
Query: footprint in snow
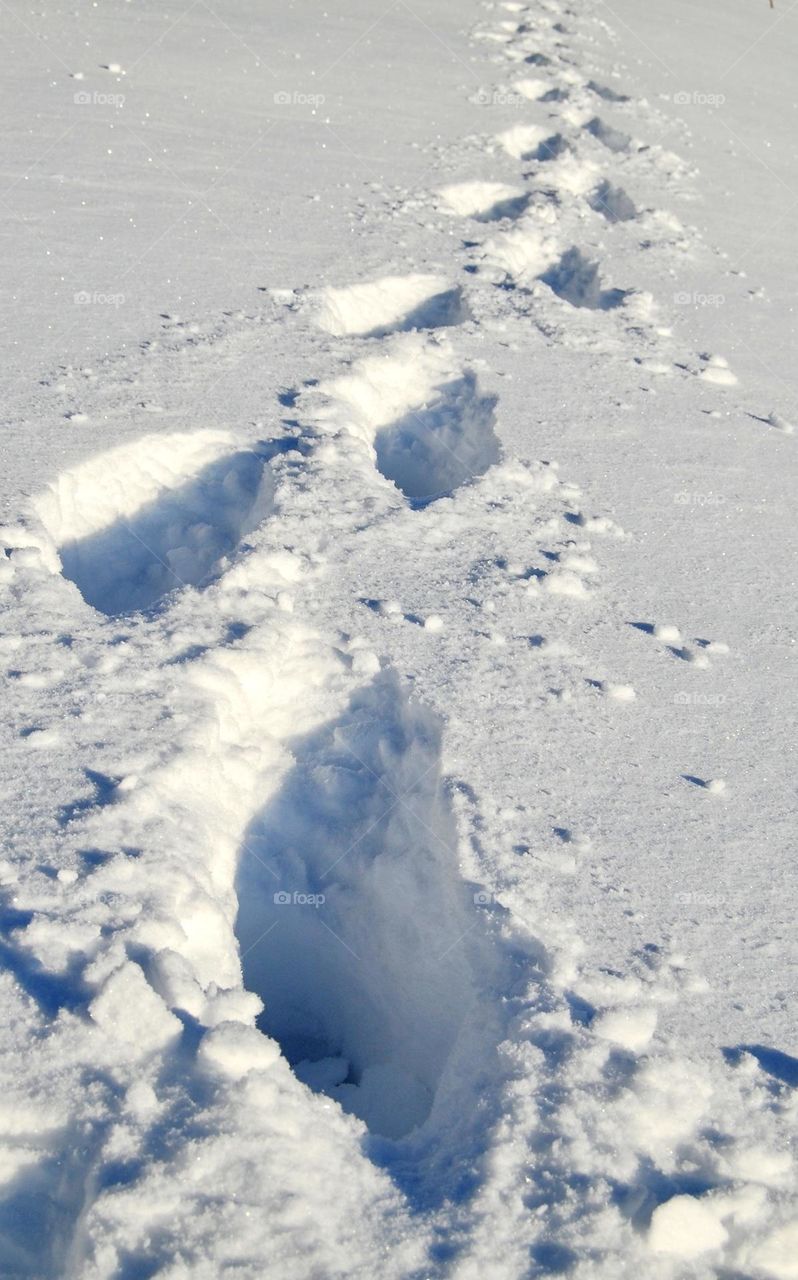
612, 203
612, 139
716, 786
575, 279
532, 142
776, 421
618, 692
715, 369
670, 635
603, 91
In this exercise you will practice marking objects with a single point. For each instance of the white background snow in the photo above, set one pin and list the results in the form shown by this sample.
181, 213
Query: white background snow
398, 640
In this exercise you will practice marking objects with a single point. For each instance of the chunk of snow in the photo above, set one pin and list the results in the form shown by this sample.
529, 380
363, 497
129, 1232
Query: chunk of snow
685, 1227
389, 303
619, 692
472, 199
781, 424
233, 1050
632, 1028
565, 583
667, 633
128, 1009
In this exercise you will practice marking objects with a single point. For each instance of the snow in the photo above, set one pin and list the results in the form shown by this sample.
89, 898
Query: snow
393, 302
398, 639
129, 1011
686, 1227
485, 201
231, 1049
776, 1256
630, 1028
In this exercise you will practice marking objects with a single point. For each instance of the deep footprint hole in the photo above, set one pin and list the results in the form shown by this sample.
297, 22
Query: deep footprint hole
612, 203
512, 207
178, 539
613, 139
576, 280
433, 450
354, 926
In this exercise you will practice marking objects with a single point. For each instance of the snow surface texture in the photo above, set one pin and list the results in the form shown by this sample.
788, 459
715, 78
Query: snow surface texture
320, 954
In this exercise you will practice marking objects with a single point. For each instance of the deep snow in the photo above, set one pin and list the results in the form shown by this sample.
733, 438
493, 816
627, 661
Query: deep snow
398, 641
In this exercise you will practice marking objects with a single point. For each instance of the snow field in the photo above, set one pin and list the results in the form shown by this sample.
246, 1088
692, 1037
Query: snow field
304, 991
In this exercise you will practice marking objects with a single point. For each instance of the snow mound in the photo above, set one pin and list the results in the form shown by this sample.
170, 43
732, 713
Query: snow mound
390, 304
485, 201
686, 1227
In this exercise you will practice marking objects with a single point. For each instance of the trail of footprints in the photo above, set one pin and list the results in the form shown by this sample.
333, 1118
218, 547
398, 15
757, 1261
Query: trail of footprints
409, 425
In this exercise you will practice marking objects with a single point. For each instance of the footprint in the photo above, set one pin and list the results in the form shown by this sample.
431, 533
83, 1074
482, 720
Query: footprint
390, 305
595, 524
603, 91
781, 424
568, 175
776, 421
714, 785
667, 632
532, 142
147, 518
613, 203
695, 657
715, 369
618, 692
519, 255
424, 416
613, 139
532, 89
355, 927
576, 280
